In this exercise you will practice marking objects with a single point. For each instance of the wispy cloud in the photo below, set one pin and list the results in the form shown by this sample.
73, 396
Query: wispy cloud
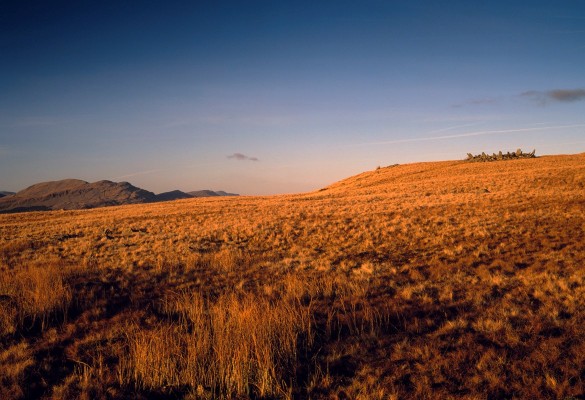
567, 95
150, 171
450, 128
558, 95
477, 102
540, 97
242, 157
475, 133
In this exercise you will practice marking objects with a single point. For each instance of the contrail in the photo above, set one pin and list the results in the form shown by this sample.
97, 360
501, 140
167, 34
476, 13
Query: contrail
450, 128
469, 134
150, 171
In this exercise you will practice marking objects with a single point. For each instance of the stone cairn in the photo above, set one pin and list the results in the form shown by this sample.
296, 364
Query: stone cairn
500, 156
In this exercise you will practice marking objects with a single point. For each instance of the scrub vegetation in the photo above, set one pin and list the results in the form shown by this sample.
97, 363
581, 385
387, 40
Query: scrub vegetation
431, 280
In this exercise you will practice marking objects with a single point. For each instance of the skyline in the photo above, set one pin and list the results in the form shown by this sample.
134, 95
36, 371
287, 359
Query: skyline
265, 97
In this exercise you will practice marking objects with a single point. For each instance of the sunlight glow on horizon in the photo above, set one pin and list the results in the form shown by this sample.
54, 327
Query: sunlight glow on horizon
162, 94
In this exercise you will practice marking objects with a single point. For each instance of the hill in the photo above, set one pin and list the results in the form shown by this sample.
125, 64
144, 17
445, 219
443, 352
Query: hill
5, 193
71, 194
74, 194
177, 194
172, 195
210, 193
448, 280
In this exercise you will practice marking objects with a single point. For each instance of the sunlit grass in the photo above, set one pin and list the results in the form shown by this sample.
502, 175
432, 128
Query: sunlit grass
433, 280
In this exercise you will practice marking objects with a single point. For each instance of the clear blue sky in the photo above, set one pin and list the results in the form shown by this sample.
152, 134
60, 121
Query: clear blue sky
262, 97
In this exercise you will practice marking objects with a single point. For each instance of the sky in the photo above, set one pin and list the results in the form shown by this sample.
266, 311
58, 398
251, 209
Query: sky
268, 97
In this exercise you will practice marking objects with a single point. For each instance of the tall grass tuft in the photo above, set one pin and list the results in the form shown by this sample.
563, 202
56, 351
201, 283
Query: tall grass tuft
33, 297
235, 346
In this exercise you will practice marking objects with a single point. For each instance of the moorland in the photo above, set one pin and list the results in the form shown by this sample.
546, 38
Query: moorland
450, 280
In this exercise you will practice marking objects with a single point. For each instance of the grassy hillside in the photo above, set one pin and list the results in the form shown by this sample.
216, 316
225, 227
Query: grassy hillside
429, 280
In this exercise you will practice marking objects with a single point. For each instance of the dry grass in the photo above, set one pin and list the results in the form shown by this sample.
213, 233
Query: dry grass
33, 296
13, 363
431, 280
234, 346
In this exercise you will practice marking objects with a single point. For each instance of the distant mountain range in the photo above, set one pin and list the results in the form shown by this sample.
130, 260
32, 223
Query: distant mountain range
73, 194
210, 193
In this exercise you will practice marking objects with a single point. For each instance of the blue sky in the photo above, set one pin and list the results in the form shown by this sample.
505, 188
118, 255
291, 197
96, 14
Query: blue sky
263, 97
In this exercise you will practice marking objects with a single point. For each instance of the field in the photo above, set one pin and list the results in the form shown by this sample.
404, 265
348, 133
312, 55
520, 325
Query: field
448, 280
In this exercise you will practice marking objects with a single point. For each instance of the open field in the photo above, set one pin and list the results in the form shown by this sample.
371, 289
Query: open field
422, 281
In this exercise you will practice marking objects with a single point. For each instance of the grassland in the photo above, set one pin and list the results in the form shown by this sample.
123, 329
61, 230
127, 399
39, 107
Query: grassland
447, 280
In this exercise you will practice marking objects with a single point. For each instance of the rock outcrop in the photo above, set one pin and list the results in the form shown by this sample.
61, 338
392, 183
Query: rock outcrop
483, 157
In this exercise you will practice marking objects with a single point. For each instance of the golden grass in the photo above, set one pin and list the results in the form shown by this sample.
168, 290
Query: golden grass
33, 296
13, 363
238, 345
429, 280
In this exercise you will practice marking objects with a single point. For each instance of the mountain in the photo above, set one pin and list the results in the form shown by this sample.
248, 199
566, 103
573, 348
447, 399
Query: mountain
69, 194
173, 195
222, 193
73, 194
210, 193
177, 194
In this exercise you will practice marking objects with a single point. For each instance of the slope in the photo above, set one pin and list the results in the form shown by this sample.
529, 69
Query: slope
428, 280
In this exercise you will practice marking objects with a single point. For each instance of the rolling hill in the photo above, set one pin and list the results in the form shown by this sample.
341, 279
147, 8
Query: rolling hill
172, 195
436, 280
210, 193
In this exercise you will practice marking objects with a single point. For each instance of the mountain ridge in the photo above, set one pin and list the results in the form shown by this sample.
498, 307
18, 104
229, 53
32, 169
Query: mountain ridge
210, 193
75, 194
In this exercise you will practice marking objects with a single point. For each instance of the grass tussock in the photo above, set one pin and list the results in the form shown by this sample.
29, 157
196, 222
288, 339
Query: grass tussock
233, 346
33, 297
